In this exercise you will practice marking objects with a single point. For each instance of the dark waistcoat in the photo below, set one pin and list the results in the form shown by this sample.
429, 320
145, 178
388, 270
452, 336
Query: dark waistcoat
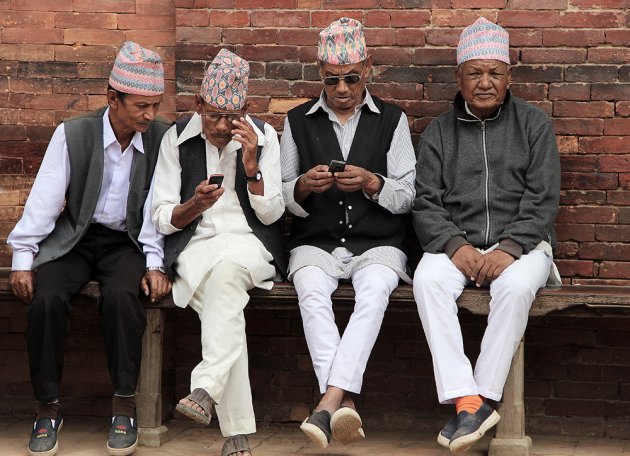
192, 158
368, 225
84, 138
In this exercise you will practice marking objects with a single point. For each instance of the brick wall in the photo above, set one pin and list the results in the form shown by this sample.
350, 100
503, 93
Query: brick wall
571, 58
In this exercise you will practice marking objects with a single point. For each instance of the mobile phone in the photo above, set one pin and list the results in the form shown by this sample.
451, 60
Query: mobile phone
215, 179
336, 166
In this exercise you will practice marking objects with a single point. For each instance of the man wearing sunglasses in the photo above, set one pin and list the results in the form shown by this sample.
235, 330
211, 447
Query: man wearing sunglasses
349, 223
218, 197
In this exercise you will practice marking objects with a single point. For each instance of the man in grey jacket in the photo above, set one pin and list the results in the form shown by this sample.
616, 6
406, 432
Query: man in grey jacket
487, 193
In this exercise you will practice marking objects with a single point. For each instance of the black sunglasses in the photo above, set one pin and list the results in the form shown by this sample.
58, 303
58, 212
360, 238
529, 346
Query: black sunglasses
347, 78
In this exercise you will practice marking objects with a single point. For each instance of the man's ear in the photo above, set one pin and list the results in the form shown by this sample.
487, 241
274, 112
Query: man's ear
198, 103
458, 74
112, 99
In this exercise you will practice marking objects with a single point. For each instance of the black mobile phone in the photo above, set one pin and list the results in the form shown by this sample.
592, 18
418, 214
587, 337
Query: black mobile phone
336, 166
215, 179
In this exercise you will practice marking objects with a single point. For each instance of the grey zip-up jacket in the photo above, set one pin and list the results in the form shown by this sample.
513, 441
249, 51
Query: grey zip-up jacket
487, 182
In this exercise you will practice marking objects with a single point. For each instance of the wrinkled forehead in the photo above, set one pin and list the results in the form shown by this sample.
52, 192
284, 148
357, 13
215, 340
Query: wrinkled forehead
483, 64
329, 69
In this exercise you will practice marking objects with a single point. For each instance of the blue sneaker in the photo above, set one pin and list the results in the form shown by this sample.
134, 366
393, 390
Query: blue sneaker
471, 427
445, 435
123, 436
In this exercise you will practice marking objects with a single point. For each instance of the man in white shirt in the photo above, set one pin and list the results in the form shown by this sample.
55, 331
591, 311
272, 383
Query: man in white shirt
217, 196
350, 222
86, 218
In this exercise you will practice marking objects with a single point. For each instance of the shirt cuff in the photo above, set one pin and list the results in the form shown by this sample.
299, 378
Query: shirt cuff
154, 260
453, 244
512, 247
290, 203
22, 261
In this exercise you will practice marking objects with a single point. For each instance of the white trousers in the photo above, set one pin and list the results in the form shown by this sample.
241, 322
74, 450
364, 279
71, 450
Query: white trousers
341, 361
223, 372
436, 286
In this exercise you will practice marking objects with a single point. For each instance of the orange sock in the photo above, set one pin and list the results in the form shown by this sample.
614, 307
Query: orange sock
469, 403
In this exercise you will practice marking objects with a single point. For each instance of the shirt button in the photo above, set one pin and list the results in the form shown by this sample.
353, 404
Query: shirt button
341, 222
349, 226
341, 203
343, 239
349, 208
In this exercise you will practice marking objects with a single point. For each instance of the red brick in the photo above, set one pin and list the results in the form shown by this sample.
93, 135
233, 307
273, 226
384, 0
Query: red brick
154, 6
591, 73
455, 4
569, 91
624, 215
347, 4
87, 20
380, 37
589, 181
605, 145
93, 36
408, 91
265, 53
35, 117
297, 19
613, 233
575, 232
54, 101
250, 36
582, 197
572, 37
443, 37
580, 163
298, 37
32, 36
537, 73
385, 18
423, 108
321, 19
600, 3
43, 20
79, 86
614, 163
534, 19
581, 19
566, 250
619, 198
194, 18
37, 52
604, 251
31, 85
580, 109
617, 127
582, 127
624, 73
460, 18
438, 92
526, 37
84, 53
586, 214
136, 22
391, 56
435, 56
567, 144
573, 268
624, 180
198, 34
530, 92
530, 55
618, 37
609, 55
229, 18
107, 6
538, 4
284, 70
41, 5
610, 91
410, 37
622, 108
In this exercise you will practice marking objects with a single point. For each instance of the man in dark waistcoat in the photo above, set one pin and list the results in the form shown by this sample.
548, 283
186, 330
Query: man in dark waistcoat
86, 218
218, 198
349, 223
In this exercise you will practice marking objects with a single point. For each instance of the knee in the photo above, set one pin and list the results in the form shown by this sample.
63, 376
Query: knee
310, 291
224, 271
48, 303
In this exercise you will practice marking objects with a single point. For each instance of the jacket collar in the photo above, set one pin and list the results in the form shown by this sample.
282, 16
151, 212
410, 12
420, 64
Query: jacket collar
463, 113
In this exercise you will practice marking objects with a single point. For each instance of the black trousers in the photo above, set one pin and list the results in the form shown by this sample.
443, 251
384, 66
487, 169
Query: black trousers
110, 257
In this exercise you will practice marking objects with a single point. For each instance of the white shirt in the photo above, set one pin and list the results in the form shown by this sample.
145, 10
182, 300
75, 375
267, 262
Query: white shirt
223, 230
47, 198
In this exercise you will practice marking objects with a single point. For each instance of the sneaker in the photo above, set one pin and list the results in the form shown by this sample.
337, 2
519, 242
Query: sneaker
445, 435
43, 441
123, 436
471, 427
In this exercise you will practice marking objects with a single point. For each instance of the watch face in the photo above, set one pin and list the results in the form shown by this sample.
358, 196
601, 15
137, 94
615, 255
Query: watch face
256, 177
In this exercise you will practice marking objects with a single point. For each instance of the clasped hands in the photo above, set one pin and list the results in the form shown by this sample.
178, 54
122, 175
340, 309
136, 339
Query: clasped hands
481, 268
353, 178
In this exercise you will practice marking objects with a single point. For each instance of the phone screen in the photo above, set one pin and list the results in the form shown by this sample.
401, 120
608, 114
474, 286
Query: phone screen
216, 179
336, 166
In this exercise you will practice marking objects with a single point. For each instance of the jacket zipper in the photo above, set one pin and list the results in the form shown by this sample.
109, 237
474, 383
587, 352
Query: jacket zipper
487, 196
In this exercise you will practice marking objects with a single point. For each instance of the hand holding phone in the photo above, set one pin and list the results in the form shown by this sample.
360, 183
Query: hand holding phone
216, 179
336, 166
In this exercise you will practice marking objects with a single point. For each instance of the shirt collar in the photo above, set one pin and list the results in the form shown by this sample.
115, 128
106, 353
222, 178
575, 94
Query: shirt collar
321, 104
194, 128
109, 137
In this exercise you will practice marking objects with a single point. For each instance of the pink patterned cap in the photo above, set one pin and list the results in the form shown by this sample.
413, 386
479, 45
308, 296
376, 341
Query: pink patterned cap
483, 40
224, 85
342, 43
137, 71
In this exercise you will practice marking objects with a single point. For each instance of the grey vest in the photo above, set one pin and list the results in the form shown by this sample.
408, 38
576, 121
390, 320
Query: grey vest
192, 159
84, 137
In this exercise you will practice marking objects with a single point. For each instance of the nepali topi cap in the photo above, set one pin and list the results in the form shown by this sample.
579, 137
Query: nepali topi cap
224, 85
137, 71
342, 43
483, 40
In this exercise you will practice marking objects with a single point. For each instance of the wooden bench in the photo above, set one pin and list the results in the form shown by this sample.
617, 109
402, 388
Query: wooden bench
510, 439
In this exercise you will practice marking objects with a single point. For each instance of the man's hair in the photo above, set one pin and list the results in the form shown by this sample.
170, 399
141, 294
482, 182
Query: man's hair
121, 95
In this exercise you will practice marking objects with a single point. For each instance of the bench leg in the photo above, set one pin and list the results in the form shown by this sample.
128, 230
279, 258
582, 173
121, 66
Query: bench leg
149, 395
510, 438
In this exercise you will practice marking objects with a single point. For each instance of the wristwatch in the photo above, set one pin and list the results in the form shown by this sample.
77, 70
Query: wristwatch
255, 178
156, 268
374, 196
